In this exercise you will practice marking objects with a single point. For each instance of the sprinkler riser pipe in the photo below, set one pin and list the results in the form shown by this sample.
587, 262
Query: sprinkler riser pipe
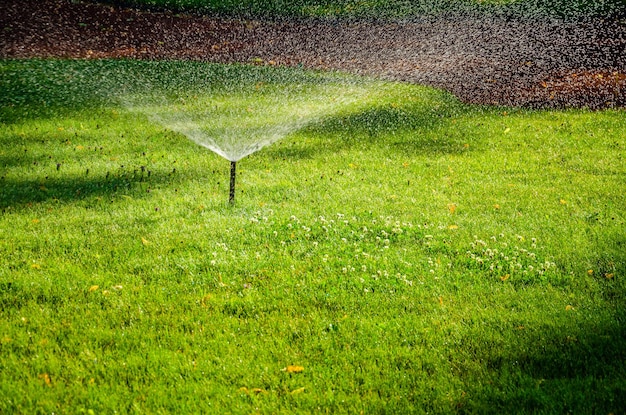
233, 175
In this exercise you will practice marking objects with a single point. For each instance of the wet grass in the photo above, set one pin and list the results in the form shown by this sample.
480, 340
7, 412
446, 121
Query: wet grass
408, 255
389, 8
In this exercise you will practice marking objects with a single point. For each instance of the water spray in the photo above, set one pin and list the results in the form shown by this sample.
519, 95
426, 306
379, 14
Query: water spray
236, 111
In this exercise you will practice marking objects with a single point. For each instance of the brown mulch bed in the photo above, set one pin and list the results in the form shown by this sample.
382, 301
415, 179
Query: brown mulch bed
487, 60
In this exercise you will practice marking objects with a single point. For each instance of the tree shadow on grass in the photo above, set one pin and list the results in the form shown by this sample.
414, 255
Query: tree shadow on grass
37, 89
17, 193
574, 365
569, 370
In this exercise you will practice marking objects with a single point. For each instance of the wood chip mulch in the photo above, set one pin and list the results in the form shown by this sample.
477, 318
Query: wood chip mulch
538, 63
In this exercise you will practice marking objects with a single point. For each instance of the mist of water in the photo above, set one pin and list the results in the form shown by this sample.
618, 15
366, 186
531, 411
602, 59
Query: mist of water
242, 111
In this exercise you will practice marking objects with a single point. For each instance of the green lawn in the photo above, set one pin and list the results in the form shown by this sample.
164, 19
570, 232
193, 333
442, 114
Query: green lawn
405, 253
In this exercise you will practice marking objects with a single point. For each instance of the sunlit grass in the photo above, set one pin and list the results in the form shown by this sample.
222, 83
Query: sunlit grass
410, 253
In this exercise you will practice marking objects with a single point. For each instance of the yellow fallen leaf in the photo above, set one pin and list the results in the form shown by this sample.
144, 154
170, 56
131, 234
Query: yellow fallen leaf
440, 300
46, 378
452, 207
569, 308
563, 202
35, 221
589, 272
35, 266
145, 241
496, 206
294, 369
507, 130
205, 300
608, 276
297, 391
453, 227
93, 288
505, 277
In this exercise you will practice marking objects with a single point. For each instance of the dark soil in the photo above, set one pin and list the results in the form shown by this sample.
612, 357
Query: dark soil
486, 60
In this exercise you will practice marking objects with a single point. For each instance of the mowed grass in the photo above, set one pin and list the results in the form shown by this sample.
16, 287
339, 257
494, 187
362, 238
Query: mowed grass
408, 254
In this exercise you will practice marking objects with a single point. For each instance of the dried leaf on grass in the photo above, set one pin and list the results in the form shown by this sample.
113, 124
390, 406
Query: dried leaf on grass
293, 369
